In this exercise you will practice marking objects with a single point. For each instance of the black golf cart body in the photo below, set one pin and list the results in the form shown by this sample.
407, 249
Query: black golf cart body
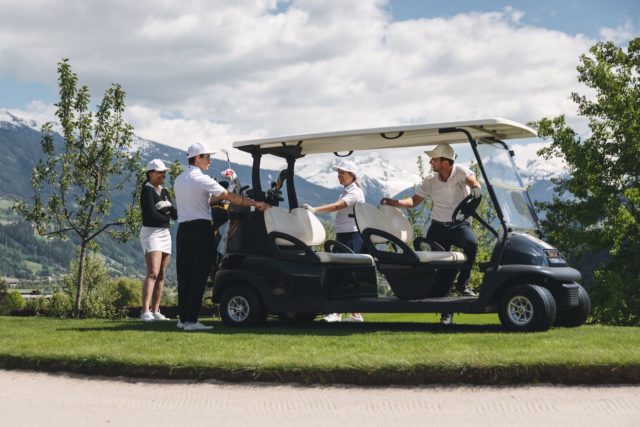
269, 271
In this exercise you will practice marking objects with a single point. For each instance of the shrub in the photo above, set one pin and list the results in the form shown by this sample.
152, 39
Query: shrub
12, 300
100, 292
39, 306
61, 305
4, 288
129, 292
169, 296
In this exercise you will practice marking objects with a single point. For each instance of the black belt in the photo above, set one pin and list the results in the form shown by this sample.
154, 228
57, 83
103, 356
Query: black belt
445, 223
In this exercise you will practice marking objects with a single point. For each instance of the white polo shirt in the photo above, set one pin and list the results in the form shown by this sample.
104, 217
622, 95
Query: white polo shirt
193, 190
445, 195
351, 194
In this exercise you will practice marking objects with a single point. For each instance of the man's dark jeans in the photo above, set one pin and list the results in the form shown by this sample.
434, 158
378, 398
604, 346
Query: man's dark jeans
461, 235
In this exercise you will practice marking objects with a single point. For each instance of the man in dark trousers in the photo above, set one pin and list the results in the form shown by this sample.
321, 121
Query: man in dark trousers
195, 193
447, 185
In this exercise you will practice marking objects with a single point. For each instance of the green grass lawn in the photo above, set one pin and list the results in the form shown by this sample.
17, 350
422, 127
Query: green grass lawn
385, 349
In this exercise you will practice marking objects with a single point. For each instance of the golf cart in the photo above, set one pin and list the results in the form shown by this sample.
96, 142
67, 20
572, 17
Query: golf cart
272, 268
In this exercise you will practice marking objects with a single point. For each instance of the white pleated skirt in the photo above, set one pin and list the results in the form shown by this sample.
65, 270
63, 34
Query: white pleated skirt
155, 239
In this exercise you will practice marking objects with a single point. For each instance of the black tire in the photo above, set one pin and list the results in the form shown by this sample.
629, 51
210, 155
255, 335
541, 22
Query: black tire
527, 308
241, 306
576, 316
297, 318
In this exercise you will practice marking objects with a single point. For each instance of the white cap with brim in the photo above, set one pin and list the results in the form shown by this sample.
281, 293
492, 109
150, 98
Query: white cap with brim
196, 149
442, 150
347, 166
156, 165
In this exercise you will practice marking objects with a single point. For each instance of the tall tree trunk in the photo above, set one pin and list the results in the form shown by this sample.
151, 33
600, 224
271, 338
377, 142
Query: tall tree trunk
80, 279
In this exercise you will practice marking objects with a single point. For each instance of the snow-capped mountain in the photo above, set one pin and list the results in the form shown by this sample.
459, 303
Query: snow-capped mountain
533, 168
9, 120
376, 175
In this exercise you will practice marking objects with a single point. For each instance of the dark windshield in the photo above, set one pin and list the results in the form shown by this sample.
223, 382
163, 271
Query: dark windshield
511, 193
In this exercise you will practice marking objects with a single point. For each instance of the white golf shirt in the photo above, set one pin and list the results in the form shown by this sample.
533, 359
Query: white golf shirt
193, 190
445, 195
351, 194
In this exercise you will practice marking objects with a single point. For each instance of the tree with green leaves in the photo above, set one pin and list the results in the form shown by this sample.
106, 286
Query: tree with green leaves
75, 182
420, 215
601, 214
486, 240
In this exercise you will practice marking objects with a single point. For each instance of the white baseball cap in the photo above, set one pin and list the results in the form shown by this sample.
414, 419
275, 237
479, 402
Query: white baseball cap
196, 149
347, 166
442, 150
156, 165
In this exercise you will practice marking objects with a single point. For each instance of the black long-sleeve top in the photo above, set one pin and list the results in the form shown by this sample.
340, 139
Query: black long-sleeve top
152, 217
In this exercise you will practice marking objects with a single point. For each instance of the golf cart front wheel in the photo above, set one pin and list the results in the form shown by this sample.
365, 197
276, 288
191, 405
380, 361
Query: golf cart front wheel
241, 306
527, 308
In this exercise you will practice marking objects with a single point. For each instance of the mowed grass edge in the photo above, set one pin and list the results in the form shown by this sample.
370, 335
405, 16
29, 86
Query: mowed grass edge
386, 349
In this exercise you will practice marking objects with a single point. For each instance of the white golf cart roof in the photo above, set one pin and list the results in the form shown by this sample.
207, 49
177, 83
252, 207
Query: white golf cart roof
395, 136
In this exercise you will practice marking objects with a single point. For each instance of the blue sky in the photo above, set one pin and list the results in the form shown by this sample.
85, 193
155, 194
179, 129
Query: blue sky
570, 16
221, 71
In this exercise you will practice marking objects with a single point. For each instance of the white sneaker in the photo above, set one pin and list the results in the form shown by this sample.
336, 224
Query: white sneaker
180, 325
354, 318
446, 319
196, 326
333, 317
159, 316
147, 316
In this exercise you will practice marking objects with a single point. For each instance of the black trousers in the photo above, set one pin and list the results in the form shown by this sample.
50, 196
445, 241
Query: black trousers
195, 254
352, 240
461, 235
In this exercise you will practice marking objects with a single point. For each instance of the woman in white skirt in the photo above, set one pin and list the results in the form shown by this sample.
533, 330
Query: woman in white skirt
157, 211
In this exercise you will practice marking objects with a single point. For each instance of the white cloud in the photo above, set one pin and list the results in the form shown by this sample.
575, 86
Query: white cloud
218, 71
620, 34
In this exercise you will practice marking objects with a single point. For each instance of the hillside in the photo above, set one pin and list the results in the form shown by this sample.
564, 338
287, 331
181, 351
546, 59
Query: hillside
24, 255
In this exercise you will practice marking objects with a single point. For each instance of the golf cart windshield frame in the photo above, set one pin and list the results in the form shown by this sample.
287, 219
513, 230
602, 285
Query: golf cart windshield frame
508, 194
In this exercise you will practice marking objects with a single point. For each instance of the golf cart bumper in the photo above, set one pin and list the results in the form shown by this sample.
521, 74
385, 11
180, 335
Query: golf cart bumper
562, 282
507, 272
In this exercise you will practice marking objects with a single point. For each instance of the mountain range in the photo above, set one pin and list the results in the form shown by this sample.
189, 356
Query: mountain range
316, 183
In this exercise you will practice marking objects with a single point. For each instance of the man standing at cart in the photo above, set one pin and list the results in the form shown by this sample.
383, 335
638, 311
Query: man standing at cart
447, 185
195, 193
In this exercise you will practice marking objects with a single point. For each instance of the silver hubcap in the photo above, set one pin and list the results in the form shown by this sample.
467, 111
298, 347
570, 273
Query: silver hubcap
238, 308
520, 310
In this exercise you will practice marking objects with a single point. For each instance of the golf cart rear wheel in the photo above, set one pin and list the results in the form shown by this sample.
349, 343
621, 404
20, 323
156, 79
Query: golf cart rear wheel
241, 306
527, 308
297, 317
576, 316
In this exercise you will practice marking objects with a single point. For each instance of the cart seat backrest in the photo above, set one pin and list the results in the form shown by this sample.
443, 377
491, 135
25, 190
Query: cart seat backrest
299, 223
313, 228
385, 218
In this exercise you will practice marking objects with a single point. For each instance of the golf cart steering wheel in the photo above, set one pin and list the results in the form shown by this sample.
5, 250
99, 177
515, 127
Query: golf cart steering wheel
465, 208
